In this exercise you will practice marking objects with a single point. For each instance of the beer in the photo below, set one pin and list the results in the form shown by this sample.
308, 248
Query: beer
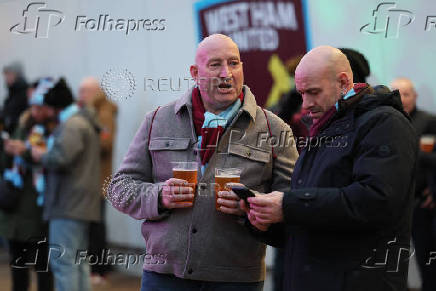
222, 177
36, 137
188, 175
186, 171
427, 143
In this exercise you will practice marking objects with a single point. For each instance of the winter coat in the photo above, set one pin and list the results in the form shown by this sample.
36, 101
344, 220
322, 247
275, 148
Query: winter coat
347, 217
73, 170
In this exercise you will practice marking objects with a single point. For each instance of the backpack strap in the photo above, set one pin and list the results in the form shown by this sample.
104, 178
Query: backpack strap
151, 127
274, 156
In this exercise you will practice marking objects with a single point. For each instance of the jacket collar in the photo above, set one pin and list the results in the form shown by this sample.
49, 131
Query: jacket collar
67, 112
360, 90
249, 106
342, 114
413, 113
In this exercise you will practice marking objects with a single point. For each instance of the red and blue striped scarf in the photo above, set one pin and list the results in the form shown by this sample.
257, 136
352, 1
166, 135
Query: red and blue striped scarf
209, 134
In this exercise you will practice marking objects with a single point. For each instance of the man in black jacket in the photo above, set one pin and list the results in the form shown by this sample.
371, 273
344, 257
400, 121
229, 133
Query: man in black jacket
16, 101
345, 223
424, 218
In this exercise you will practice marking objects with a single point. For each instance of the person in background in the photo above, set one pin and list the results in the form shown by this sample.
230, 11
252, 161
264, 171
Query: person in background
345, 222
23, 226
289, 110
359, 64
72, 198
16, 101
203, 243
424, 218
91, 95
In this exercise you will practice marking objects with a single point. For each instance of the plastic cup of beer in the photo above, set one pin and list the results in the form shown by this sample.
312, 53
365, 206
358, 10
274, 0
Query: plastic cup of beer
427, 143
186, 171
224, 176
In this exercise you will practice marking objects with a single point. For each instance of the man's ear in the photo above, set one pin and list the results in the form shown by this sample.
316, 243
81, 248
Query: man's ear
344, 82
194, 72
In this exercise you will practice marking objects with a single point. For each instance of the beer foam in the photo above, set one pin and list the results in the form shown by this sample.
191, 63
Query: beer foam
227, 176
428, 140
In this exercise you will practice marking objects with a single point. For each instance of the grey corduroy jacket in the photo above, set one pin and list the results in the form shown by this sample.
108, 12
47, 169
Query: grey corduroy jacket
201, 243
73, 170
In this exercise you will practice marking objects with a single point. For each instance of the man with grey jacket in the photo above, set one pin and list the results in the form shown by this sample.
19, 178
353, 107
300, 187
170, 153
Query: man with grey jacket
200, 245
72, 194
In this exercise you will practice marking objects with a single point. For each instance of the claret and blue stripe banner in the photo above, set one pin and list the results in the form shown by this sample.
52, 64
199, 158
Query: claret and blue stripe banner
268, 34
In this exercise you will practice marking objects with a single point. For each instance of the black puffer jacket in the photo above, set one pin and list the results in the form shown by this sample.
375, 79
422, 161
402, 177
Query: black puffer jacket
351, 201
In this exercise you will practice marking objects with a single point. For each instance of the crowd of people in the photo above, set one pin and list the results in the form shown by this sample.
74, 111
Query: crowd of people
341, 203
56, 151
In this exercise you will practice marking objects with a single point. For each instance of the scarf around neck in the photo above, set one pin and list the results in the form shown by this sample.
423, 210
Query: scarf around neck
209, 126
317, 126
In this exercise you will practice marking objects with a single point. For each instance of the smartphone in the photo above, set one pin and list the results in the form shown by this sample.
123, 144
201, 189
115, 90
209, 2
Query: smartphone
242, 192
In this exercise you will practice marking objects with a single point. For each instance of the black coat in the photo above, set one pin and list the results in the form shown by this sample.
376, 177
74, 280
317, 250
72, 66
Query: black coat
15, 104
424, 124
351, 201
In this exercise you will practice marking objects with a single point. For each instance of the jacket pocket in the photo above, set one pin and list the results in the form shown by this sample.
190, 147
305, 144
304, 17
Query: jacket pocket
250, 153
165, 144
254, 163
165, 150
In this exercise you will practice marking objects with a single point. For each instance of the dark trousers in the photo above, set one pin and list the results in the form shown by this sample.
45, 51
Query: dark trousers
26, 255
97, 242
152, 281
424, 239
278, 269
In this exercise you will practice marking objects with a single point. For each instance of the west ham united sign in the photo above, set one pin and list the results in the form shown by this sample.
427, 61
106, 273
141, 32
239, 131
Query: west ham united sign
268, 33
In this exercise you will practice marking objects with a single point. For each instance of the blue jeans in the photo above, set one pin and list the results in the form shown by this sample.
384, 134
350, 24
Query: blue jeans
69, 236
152, 281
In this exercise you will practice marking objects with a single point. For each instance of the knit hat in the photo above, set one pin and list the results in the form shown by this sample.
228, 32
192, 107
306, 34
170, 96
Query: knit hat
40, 87
359, 65
60, 96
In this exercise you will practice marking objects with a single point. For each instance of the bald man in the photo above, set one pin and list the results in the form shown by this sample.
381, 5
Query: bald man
424, 218
351, 192
92, 96
194, 240
407, 92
